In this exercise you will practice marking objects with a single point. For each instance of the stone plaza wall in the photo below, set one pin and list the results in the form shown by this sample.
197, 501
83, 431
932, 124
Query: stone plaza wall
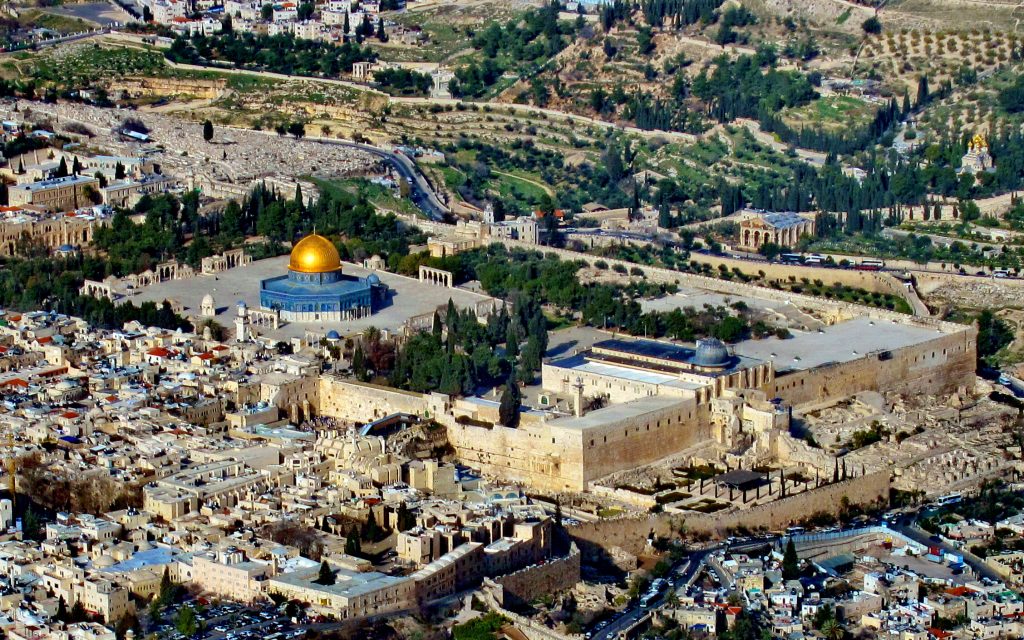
361, 402
551, 577
550, 456
831, 309
644, 439
631, 533
874, 281
535, 454
942, 365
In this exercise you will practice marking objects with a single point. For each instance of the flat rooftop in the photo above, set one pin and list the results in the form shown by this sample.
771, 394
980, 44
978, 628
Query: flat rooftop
52, 183
837, 343
583, 365
349, 584
648, 348
616, 413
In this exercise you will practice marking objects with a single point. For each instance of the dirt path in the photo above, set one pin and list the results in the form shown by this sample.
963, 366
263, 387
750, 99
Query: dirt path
540, 185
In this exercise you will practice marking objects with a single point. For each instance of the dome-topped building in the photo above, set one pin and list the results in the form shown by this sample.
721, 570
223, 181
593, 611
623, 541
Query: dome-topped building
315, 288
711, 354
314, 254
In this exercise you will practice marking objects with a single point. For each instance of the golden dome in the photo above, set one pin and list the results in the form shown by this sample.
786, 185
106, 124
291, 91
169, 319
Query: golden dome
314, 254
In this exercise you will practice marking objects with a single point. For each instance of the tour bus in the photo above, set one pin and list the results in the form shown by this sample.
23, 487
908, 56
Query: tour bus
1000, 273
791, 258
647, 599
814, 259
870, 264
952, 498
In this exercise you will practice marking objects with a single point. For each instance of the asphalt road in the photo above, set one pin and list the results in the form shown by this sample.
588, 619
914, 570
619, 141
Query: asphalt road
420, 192
681, 574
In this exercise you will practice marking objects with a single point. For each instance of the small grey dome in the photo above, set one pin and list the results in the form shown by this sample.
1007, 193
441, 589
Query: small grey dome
711, 353
372, 279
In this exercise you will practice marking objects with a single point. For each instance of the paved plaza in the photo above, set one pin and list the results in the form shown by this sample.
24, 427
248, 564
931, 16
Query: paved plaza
782, 313
408, 298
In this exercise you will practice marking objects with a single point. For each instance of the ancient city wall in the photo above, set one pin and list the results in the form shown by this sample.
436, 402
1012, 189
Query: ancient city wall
631, 533
536, 454
868, 280
550, 577
519, 627
360, 402
941, 365
643, 439
566, 457
831, 309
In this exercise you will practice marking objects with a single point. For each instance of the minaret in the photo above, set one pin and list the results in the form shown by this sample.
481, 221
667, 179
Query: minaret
577, 397
241, 323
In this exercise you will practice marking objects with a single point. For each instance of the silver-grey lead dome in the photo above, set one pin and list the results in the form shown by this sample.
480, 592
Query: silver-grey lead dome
711, 353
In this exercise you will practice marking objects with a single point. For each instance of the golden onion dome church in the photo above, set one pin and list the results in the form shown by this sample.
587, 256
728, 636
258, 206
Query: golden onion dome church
315, 288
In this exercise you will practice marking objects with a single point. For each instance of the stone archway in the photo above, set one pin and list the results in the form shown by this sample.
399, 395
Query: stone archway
437, 277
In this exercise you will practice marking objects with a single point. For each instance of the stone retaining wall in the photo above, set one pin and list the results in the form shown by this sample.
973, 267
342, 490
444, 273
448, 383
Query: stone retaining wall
631, 533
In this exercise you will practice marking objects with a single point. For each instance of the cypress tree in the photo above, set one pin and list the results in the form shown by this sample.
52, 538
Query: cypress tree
325, 576
359, 364
508, 409
352, 544
790, 562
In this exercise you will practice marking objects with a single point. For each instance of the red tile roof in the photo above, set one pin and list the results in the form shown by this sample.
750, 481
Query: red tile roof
540, 214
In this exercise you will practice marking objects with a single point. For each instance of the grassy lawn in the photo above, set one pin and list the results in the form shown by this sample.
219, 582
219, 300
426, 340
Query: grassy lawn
247, 84
556, 322
832, 112
453, 178
33, 18
379, 196
510, 186
444, 40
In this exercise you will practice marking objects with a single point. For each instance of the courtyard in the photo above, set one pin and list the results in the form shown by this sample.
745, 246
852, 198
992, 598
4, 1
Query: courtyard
408, 298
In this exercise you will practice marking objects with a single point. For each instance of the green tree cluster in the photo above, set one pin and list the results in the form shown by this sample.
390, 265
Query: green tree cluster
521, 45
282, 53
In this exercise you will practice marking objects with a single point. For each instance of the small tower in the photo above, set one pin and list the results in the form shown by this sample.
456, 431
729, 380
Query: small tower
577, 397
242, 323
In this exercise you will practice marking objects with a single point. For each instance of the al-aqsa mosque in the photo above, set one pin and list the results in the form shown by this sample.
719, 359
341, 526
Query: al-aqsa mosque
315, 289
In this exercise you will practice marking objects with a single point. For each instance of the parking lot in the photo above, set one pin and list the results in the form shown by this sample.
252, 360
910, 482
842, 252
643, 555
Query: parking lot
236, 622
